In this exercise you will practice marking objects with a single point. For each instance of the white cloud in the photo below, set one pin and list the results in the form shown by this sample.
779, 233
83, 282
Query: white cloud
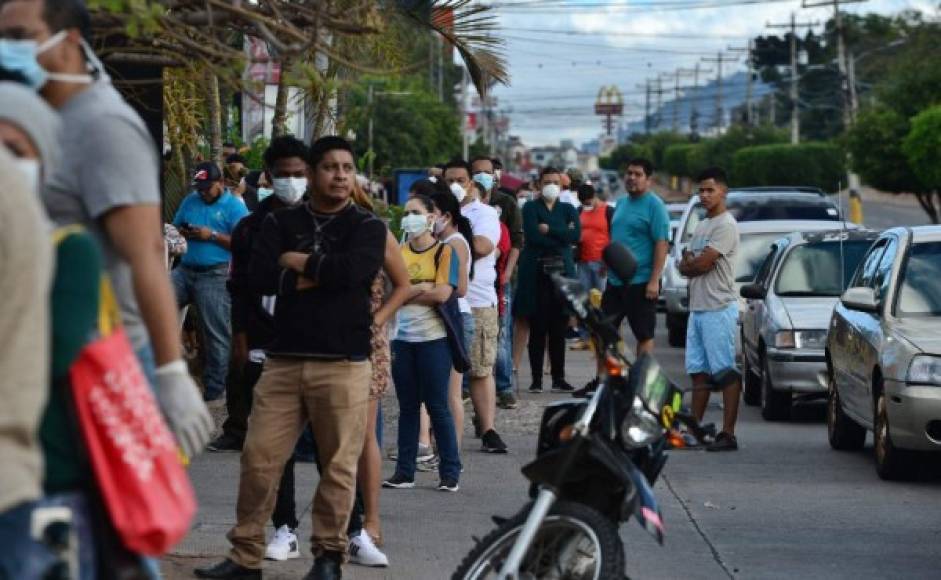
555, 77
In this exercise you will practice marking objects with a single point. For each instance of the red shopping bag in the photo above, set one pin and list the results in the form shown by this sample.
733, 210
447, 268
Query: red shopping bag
134, 455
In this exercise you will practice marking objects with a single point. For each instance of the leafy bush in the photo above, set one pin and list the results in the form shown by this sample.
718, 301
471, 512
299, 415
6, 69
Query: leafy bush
922, 147
811, 164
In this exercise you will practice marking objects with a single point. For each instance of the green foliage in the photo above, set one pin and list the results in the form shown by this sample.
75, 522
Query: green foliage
875, 143
922, 147
688, 159
392, 215
684, 159
912, 79
657, 144
409, 130
618, 159
254, 156
811, 164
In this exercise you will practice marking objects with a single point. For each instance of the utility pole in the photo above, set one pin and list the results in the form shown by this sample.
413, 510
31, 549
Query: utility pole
693, 108
749, 90
795, 78
848, 116
719, 60
464, 102
369, 101
646, 86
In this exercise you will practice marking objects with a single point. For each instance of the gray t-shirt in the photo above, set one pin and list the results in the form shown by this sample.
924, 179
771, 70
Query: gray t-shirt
109, 161
715, 289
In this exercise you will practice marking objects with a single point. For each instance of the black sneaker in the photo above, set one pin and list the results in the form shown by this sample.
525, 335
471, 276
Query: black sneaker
399, 481
587, 391
448, 484
226, 443
724, 442
535, 388
492, 443
507, 400
571, 333
560, 386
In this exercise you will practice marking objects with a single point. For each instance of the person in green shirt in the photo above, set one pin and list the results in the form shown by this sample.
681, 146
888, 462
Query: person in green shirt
550, 229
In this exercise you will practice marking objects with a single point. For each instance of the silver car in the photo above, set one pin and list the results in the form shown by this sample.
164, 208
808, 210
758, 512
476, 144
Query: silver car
789, 304
747, 205
883, 353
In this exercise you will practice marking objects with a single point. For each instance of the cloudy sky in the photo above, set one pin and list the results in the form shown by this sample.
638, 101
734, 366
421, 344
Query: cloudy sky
560, 52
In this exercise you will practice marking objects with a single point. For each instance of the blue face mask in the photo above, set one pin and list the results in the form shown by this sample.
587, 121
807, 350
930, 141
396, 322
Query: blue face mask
264, 193
484, 179
19, 56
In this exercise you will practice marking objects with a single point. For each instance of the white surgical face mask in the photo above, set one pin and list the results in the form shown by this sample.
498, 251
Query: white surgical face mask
290, 190
440, 225
458, 191
414, 225
264, 193
30, 170
551, 191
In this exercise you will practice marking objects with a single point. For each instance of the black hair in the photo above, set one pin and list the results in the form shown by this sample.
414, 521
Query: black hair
425, 201
547, 171
228, 144
65, 14
448, 204
497, 164
281, 148
642, 162
586, 192
458, 163
714, 173
235, 158
322, 146
481, 158
7, 75
429, 188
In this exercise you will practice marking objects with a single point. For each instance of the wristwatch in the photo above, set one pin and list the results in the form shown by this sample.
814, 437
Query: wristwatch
212, 235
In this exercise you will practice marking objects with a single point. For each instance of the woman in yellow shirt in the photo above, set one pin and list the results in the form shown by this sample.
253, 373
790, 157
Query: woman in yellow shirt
421, 358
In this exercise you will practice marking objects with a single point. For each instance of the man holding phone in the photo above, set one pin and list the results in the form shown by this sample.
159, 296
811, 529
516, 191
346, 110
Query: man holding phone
206, 219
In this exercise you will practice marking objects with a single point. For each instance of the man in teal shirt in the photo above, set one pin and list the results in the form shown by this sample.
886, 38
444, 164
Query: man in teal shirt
206, 219
641, 223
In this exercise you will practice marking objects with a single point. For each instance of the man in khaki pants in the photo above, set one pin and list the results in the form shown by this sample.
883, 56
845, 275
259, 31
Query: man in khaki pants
320, 258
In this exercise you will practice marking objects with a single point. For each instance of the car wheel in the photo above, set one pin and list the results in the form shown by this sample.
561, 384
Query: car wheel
844, 433
751, 385
775, 405
892, 463
676, 330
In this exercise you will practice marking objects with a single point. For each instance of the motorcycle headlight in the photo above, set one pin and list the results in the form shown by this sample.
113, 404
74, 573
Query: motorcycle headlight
925, 369
639, 428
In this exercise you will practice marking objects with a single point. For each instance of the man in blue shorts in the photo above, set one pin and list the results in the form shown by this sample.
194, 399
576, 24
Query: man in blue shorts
713, 303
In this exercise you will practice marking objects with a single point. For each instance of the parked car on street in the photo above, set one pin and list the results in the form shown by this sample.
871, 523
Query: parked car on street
883, 353
756, 204
676, 213
787, 313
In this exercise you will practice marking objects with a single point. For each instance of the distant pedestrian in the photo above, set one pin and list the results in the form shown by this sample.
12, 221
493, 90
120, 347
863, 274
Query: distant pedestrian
206, 218
482, 296
595, 216
713, 303
551, 228
640, 222
421, 358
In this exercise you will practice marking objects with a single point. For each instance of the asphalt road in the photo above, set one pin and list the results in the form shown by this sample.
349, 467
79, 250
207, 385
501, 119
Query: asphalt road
783, 506
883, 215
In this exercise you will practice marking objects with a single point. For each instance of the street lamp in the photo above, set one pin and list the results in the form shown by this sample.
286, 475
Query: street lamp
370, 95
851, 71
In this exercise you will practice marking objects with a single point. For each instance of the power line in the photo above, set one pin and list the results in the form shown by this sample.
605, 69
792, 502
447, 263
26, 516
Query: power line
795, 78
719, 60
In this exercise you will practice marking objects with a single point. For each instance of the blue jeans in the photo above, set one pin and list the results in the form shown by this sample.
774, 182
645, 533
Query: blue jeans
145, 356
421, 371
21, 556
470, 325
207, 291
503, 370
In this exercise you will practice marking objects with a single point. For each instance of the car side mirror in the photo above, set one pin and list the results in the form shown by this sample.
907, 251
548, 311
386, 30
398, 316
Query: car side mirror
860, 298
753, 292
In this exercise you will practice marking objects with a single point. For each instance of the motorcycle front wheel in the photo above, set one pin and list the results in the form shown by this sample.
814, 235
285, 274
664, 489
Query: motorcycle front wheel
574, 542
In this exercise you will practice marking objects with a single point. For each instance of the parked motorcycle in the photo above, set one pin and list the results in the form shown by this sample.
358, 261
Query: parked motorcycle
597, 460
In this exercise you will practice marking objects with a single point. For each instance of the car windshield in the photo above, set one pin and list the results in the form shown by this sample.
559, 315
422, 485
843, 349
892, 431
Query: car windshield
919, 291
761, 208
752, 251
814, 269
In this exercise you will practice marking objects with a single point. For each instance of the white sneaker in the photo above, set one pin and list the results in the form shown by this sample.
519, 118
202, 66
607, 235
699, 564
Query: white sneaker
283, 545
365, 553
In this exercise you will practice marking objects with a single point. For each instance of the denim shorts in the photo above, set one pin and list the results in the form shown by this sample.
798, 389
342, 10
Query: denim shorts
710, 340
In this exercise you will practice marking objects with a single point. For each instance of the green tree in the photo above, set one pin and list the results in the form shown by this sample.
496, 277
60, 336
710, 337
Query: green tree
922, 148
618, 158
815, 164
411, 128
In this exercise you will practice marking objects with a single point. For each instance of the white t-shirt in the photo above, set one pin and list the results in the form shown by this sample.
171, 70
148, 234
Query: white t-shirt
462, 303
570, 197
485, 221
